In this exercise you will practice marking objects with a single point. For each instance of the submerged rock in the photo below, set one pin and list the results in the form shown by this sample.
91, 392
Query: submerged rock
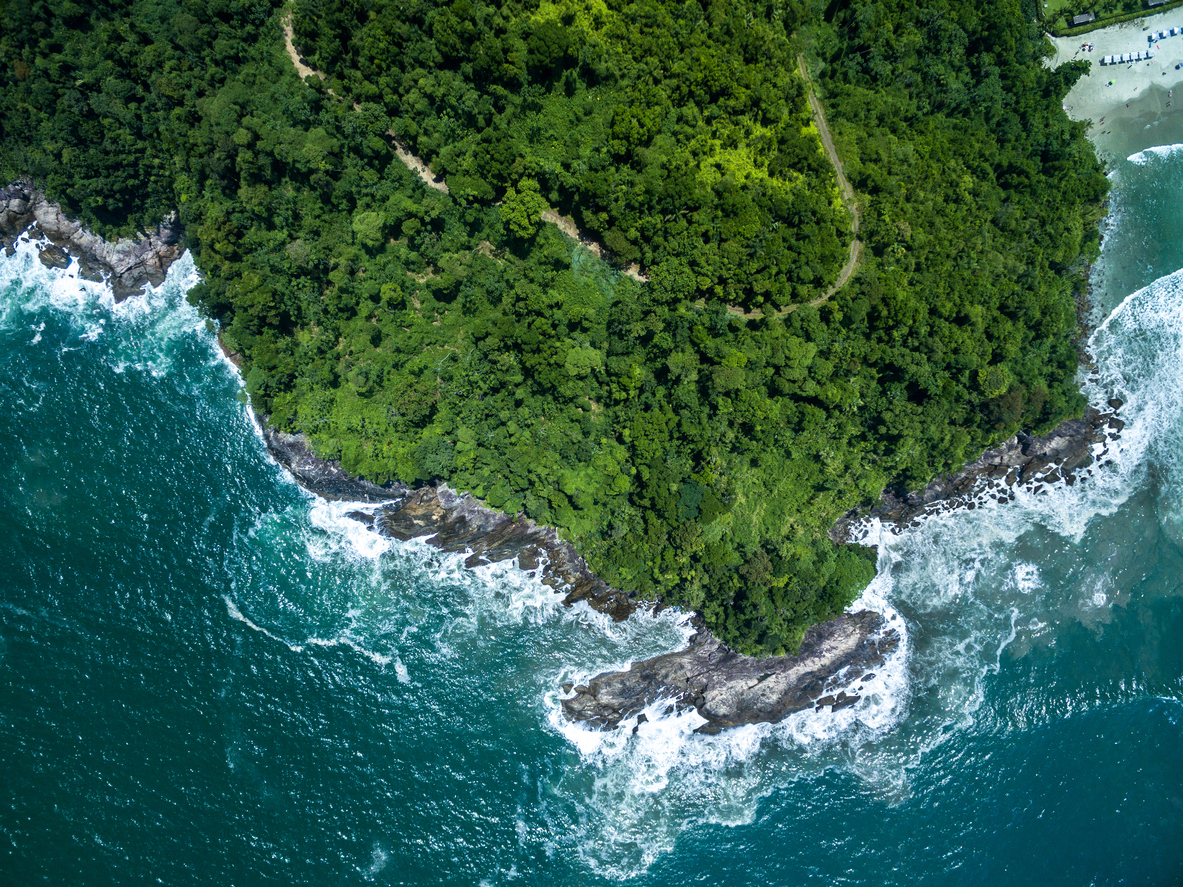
729, 689
128, 264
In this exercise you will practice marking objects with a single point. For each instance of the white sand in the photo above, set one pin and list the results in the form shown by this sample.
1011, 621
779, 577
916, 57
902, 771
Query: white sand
1093, 98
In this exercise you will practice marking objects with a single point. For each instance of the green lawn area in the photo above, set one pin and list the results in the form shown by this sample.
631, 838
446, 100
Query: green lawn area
1057, 12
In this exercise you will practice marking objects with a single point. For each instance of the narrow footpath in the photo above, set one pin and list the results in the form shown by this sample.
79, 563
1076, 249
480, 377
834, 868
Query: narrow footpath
416, 165
412, 162
848, 200
847, 192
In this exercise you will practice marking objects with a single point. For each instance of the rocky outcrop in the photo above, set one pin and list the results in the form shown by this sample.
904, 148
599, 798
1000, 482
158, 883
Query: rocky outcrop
126, 264
459, 523
1025, 461
326, 479
729, 689
453, 522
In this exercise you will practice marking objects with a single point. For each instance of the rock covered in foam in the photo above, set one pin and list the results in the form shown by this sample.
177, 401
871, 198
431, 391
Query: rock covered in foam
127, 264
729, 689
452, 522
456, 522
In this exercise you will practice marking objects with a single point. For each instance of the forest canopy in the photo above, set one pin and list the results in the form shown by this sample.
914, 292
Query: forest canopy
694, 441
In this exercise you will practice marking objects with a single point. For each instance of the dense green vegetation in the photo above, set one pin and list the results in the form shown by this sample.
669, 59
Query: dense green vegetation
689, 453
668, 130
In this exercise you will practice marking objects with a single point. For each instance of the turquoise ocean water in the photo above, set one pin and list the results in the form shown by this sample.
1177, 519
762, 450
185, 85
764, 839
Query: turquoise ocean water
208, 676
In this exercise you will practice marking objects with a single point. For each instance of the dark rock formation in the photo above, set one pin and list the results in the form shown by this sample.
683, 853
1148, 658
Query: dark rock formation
453, 522
729, 689
326, 479
127, 264
1025, 460
457, 522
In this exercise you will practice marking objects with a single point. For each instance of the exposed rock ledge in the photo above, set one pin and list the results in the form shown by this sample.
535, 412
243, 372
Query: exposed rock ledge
127, 264
454, 522
726, 688
1026, 461
729, 689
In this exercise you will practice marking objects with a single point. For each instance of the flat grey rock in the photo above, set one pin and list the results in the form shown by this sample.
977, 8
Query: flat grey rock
729, 689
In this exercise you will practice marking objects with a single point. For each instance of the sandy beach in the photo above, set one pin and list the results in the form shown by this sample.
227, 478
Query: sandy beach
1131, 106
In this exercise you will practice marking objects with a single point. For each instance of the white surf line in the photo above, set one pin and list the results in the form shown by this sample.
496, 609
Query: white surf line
379, 659
235, 613
1141, 158
342, 641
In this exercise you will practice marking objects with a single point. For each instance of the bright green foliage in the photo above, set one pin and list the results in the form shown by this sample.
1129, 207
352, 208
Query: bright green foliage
689, 453
522, 208
668, 130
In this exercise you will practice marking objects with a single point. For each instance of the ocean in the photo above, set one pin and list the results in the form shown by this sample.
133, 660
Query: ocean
209, 676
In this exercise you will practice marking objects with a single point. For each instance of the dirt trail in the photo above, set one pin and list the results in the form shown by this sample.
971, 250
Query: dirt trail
567, 225
409, 160
564, 223
847, 192
848, 200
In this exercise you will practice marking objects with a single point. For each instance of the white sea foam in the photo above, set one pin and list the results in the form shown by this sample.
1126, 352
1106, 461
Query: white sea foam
29, 286
237, 615
344, 641
1158, 151
144, 330
342, 535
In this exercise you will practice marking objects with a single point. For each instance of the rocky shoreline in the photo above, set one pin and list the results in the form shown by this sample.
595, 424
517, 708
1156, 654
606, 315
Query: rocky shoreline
726, 688
128, 265
729, 689
455, 523
1026, 461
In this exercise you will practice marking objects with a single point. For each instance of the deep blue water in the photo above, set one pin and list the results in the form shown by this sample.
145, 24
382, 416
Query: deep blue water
208, 676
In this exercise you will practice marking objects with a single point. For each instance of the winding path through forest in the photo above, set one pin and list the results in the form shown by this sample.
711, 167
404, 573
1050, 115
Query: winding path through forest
567, 225
848, 200
410, 161
847, 192
416, 165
